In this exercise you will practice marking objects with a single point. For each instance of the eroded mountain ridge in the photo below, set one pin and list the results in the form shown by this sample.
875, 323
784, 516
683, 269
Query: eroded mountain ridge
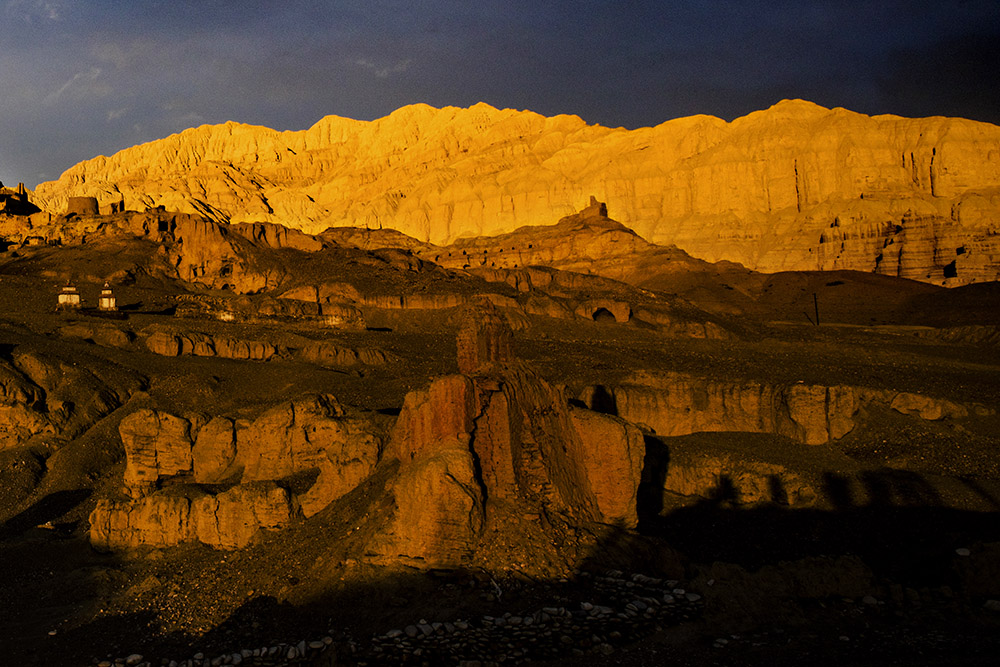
793, 187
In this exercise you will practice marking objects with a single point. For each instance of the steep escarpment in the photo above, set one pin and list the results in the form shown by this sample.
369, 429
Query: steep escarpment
793, 187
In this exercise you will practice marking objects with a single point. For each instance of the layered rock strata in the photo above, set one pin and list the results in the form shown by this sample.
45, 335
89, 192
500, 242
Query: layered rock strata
793, 187
673, 404
170, 343
173, 462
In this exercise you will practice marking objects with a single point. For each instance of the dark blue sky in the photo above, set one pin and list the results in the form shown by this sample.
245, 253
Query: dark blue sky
81, 78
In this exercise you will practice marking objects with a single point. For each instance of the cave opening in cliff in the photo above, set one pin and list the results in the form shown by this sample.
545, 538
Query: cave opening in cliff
603, 315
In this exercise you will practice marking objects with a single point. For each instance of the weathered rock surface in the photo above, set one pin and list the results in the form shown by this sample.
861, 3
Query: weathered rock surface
157, 446
796, 186
497, 438
674, 404
612, 451
170, 343
201, 345
166, 453
227, 520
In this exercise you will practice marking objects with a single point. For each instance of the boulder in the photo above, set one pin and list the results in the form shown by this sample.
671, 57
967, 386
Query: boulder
472, 448
441, 413
157, 520
311, 433
259, 461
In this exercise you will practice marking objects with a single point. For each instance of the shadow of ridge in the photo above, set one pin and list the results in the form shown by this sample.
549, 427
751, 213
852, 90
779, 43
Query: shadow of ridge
373, 600
47, 509
288, 587
103, 638
903, 532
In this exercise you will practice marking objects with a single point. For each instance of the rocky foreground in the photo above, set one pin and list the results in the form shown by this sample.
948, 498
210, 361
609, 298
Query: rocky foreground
289, 449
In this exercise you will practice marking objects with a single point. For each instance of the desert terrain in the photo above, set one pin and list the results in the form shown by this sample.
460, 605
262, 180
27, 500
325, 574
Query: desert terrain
319, 427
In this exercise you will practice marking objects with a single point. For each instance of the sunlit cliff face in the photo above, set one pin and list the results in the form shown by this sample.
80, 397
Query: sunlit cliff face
794, 187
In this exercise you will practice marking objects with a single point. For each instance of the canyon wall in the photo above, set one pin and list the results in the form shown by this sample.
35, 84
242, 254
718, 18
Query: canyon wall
794, 187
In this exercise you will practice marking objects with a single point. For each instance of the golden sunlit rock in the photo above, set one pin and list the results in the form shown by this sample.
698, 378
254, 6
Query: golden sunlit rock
793, 187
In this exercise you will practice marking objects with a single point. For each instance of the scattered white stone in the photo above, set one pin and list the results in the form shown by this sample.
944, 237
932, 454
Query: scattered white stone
133, 659
316, 644
992, 605
963, 551
868, 599
692, 597
844, 638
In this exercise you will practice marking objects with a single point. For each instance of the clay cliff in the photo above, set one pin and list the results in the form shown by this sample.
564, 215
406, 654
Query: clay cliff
793, 187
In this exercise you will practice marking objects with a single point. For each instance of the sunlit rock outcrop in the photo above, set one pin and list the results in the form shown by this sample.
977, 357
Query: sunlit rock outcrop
500, 440
673, 404
173, 462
